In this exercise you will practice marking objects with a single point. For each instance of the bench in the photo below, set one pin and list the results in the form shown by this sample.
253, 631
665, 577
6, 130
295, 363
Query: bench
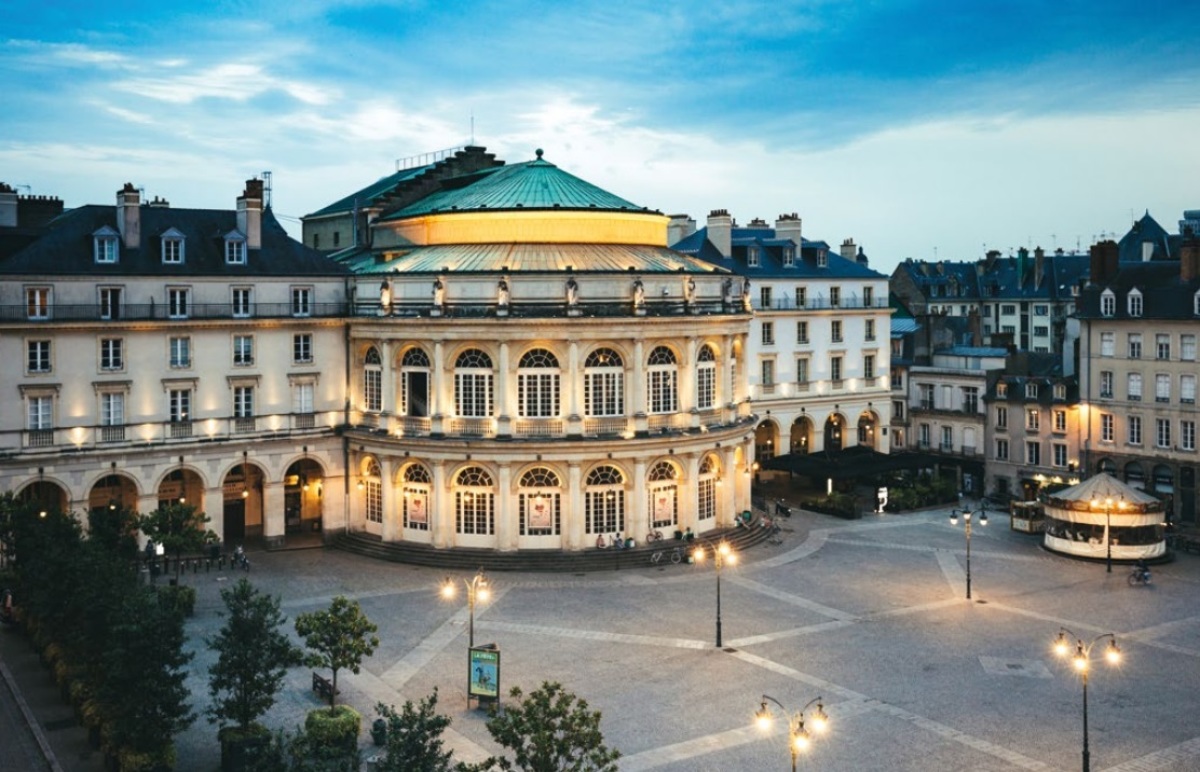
322, 686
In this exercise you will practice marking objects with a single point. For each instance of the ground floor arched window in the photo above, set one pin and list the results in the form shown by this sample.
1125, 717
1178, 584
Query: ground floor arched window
474, 502
706, 489
664, 495
604, 500
415, 497
373, 493
539, 503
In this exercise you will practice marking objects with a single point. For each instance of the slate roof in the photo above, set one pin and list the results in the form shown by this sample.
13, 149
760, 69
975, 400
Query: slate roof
372, 193
67, 247
1003, 278
536, 184
523, 258
1146, 229
1164, 294
770, 256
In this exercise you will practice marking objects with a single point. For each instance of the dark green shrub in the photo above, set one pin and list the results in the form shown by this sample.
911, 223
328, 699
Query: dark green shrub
333, 728
179, 598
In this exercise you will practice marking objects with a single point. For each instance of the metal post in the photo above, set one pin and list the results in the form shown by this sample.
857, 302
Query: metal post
471, 614
1087, 756
1108, 531
718, 600
968, 524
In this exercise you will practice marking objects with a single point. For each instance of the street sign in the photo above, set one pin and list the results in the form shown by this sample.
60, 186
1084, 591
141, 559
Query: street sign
483, 672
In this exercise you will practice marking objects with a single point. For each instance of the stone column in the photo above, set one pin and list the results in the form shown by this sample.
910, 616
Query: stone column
387, 395
689, 487
506, 512
727, 493
637, 388
441, 512
637, 521
441, 403
274, 520
506, 393
393, 527
725, 378
575, 513
687, 377
574, 391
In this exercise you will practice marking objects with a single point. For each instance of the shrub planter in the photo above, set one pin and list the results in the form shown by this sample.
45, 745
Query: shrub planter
337, 728
240, 748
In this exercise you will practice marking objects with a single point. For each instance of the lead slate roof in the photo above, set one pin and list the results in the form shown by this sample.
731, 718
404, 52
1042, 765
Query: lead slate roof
518, 258
371, 193
770, 259
535, 184
68, 247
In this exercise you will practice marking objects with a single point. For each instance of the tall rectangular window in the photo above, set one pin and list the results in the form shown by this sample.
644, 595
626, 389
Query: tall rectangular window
835, 331
1001, 418
243, 350
947, 439
302, 348
177, 302
1162, 346
1187, 389
1033, 453
243, 401
926, 390
1001, 450
1135, 387
868, 296
1162, 387
1106, 427
301, 301
970, 399
302, 398
373, 390
802, 370
1107, 344
111, 354
1135, 345
38, 359
869, 334
1060, 455
835, 297
1033, 418
801, 297
37, 302
180, 405
241, 302
869, 366
661, 389
1187, 347
835, 368
768, 372
172, 251
180, 352
1134, 425
110, 303
768, 333
112, 409
802, 332
1060, 421
706, 386
764, 298
473, 394
41, 413
235, 252
1187, 435
1162, 432
1106, 384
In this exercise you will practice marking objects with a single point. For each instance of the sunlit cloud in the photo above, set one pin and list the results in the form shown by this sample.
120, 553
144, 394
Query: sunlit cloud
69, 54
234, 81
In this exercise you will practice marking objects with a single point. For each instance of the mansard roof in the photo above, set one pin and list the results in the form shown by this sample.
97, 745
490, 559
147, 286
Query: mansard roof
771, 256
66, 247
1165, 295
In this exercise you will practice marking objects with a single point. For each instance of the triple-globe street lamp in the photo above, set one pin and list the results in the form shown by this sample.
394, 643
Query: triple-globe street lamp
722, 553
1081, 659
478, 588
966, 515
798, 735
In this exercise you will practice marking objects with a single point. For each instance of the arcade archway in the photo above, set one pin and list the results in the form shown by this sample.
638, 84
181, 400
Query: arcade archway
46, 496
242, 494
868, 430
182, 486
303, 496
801, 436
766, 440
835, 430
113, 492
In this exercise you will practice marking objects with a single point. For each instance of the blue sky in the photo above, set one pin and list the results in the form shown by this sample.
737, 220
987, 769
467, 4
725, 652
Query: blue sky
923, 129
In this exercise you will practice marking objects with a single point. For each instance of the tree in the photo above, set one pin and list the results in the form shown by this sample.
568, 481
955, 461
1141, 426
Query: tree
337, 638
115, 528
179, 528
551, 730
414, 737
253, 656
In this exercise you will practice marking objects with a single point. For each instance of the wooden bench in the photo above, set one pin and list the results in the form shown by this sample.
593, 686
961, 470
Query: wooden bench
322, 686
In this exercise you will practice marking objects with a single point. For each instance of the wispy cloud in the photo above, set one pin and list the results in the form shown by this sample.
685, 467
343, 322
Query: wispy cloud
237, 81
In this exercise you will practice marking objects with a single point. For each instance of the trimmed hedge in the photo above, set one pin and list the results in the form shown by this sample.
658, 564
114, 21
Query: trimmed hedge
336, 728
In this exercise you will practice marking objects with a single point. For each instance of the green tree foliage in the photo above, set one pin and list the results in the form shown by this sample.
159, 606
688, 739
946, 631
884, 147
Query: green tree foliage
551, 730
253, 656
115, 529
337, 638
179, 528
414, 737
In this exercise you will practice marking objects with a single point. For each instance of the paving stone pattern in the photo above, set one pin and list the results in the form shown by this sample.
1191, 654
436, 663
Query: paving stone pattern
869, 614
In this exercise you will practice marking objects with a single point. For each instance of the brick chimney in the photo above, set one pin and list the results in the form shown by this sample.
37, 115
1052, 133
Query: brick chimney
848, 251
249, 213
1104, 256
1039, 266
789, 226
129, 216
8, 206
679, 228
720, 231
1189, 258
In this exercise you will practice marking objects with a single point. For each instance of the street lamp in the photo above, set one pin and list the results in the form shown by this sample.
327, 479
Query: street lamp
1108, 506
1081, 660
798, 736
966, 515
722, 553
477, 588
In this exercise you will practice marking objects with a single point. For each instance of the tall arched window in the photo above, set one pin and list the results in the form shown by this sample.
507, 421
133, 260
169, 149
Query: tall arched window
372, 381
538, 503
603, 384
474, 502
661, 381
664, 499
1108, 303
706, 378
414, 383
416, 497
604, 496
706, 489
473, 384
538, 384
373, 492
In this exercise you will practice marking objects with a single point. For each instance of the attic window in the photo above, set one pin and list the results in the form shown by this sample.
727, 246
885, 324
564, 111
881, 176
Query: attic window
1108, 303
751, 257
789, 257
1134, 300
172, 247
822, 258
235, 250
1196, 304
1031, 391
105, 241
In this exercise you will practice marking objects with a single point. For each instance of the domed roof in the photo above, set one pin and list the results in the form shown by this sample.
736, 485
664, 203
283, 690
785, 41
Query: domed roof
536, 184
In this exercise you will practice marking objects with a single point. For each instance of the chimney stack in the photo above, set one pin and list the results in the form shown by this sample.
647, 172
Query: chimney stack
679, 228
1189, 258
848, 251
789, 226
1104, 256
720, 231
8, 206
129, 216
249, 213
1039, 265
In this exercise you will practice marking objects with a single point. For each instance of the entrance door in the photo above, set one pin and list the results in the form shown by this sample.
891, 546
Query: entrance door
235, 521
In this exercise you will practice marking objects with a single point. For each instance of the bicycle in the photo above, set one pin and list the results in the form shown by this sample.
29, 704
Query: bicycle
655, 535
240, 560
675, 556
1140, 576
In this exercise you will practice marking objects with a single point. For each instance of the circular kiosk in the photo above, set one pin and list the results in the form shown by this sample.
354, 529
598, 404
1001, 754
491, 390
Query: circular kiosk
1103, 513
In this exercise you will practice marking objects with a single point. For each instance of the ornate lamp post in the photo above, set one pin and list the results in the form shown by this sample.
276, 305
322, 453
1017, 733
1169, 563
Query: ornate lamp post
1081, 660
477, 588
798, 736
1108, 507
722, 553
966, 515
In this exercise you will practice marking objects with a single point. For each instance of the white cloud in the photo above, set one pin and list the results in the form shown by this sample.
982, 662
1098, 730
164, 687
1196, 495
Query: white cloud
236, 81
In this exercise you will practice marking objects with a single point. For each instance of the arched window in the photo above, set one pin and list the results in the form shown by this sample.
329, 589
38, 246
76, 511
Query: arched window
474, 502
706, 378
414, 383
603, 384
538, 502
1107, 466
373, 492
372, 381
662, 381
706, 489
1108, 303
1134, 300
664, 499
604, 496
538, 384
416, 497
473, 384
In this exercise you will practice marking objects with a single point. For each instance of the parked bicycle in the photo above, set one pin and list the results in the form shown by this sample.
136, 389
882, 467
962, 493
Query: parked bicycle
676, 556
653, 536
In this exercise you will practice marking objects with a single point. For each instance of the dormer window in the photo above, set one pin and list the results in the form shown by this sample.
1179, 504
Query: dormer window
789, 257
1134, 300
752, 257
1031, 391
235, 249
172, 247
105, 241
822, 258
1108, 303
1196, 304
1001, 389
